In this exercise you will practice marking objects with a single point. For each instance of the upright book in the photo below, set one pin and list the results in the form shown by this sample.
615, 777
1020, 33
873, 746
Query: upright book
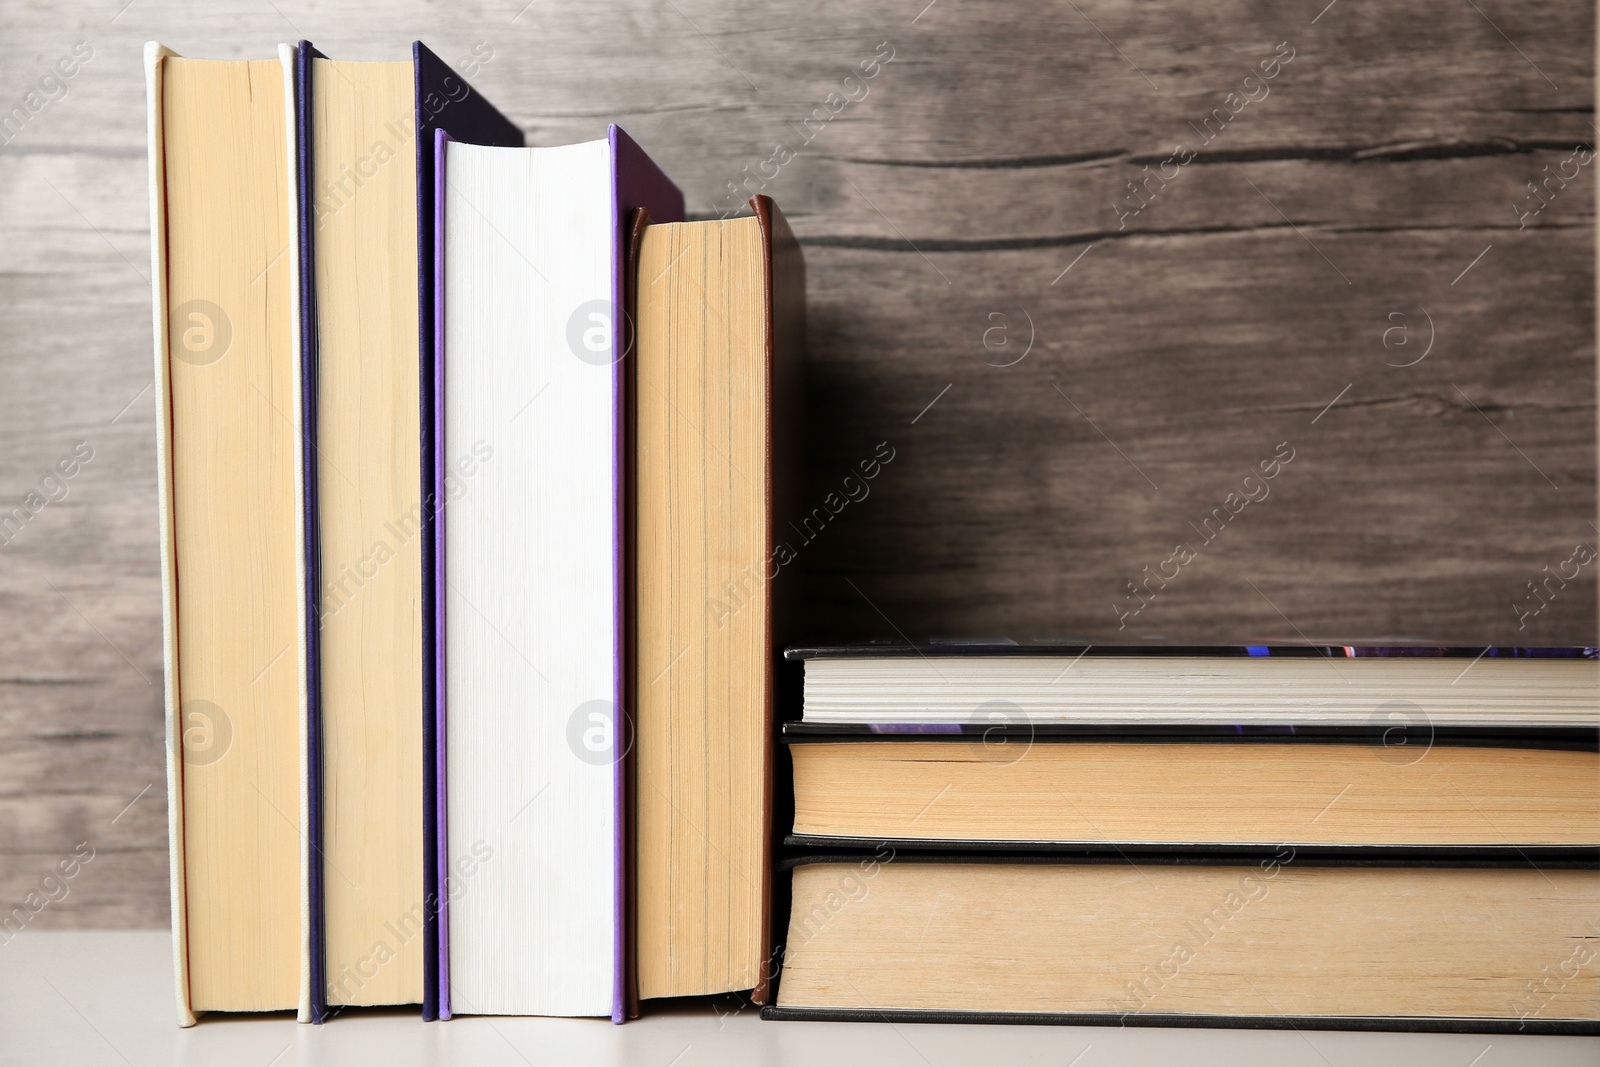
366, 255
533, 351
716, 415
229, 454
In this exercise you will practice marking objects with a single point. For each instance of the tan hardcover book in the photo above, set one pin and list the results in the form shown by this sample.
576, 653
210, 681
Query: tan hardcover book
1276, 941
369, 484
968, 788
227, 386
715, 398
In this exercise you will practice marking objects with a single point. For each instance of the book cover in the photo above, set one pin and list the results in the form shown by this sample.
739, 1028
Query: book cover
640, 191
446, 103
314, 1006
1004, 646
153, 55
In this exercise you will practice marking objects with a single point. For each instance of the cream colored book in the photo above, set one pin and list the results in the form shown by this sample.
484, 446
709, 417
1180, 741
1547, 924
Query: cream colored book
720, 312
1057, 792
228, 450
1276, 941
371, 514
379, 477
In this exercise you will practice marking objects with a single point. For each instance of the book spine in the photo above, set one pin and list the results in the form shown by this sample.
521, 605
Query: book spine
622, 867
444, 101
637, 186
441, 856
432, 446
288, 58
785, 354
302, 186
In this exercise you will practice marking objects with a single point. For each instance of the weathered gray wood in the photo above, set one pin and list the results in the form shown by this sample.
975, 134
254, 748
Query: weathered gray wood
960, 181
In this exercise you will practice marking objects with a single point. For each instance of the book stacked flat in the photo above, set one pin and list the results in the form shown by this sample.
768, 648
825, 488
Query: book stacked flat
457, 440
1350, 837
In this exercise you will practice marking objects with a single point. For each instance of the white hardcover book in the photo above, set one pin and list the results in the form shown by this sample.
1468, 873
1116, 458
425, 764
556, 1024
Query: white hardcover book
531, 568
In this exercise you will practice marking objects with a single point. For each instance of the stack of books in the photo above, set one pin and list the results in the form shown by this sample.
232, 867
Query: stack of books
475, 462
459, 443
1353, 837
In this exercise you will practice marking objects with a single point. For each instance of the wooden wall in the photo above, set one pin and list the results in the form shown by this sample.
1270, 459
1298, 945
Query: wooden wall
1068, 388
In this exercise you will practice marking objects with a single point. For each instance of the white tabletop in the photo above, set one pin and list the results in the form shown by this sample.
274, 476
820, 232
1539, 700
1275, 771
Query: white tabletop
103, 997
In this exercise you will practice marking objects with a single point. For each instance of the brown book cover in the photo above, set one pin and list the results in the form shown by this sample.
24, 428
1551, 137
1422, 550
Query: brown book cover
786, 324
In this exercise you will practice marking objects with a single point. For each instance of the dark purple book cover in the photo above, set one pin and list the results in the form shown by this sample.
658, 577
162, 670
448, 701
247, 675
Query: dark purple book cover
440, 857
306, 233
445, 104
636, 182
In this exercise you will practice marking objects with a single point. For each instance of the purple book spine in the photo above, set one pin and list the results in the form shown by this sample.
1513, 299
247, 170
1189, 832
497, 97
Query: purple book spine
441, 856
306, 232
444, 102
636, 182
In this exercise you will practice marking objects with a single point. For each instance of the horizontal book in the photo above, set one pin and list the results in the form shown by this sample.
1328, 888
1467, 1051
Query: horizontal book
1388, 786
1226, 686
1278, 941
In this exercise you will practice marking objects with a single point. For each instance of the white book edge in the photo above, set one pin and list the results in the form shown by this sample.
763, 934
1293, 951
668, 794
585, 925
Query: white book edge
516, 995
154, 53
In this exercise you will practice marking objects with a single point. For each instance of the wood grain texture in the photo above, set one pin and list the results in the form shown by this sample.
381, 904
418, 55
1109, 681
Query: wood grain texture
959, 181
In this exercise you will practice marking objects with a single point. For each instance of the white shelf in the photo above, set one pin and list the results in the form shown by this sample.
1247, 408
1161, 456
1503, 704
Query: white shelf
93, 997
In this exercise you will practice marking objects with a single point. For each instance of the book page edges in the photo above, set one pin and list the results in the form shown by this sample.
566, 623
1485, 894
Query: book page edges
154, 54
